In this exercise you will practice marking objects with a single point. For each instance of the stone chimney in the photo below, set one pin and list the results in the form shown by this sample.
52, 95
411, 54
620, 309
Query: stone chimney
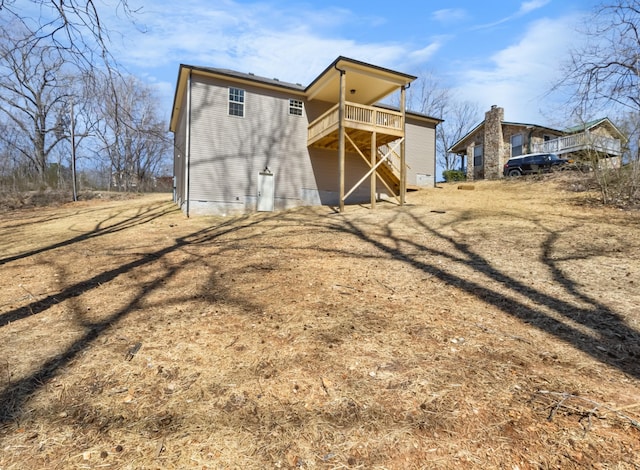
493, 143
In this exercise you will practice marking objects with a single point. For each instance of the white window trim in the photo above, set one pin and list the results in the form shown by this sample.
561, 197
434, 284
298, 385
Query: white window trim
292, 106
242, 103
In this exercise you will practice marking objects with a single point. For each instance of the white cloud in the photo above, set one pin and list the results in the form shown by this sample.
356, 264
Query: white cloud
423, 55
527, 7
519, 76
449, 15
293, 46
278, 43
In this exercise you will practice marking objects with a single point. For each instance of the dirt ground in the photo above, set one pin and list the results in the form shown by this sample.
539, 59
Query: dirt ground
493, 328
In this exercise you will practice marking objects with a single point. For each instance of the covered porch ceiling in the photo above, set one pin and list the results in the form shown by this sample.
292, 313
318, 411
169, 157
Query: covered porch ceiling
365, 83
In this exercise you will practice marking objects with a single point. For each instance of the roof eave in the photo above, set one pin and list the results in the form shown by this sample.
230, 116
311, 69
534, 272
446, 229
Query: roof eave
384, 81
177, 97
507, 123
341, 61
393, 79
414, 114
465, 137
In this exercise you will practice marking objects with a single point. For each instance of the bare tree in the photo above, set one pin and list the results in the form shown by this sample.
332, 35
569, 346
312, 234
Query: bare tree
604, 73
606, 69
130, 132
459, 117
73, 27
43, 43
32, 93
428, 96
10, 161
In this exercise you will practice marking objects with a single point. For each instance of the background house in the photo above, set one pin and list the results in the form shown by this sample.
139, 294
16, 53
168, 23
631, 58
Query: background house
487, 147
245, 143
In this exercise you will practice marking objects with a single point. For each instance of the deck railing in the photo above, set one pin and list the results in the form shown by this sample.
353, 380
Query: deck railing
575, 142
357, 115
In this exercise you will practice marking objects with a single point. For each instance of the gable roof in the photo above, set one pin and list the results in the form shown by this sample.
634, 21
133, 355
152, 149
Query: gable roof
365, 83
532, 126
245, 77
587, 126
459, 147
185, 71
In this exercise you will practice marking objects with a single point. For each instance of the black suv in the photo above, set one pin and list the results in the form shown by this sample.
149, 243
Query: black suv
532, 163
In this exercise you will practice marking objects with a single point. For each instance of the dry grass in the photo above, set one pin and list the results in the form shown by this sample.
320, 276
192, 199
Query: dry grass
497, 327
11, 200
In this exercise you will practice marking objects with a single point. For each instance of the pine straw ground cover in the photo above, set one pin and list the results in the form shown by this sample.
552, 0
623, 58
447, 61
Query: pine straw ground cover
491, 328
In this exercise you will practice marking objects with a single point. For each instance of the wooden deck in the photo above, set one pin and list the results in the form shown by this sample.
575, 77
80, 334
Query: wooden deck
579, 142
360, 122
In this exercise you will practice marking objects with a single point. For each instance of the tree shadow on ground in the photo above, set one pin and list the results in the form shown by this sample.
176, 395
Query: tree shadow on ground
17, 393
593, 328
107, 226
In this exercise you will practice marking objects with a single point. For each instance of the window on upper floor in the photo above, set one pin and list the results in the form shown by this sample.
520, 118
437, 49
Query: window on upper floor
236, 102
516, 145
295, 107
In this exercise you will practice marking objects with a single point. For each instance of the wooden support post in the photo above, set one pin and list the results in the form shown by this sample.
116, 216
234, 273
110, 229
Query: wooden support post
403, 166
374, 175
341, 144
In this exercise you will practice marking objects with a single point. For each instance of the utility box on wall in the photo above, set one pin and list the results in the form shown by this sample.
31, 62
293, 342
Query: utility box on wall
423, 180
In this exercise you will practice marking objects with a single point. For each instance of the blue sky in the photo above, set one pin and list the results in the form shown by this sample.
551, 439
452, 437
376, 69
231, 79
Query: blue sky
490, 52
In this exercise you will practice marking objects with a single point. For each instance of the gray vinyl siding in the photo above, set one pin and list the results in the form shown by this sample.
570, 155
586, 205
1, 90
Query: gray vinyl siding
420, 151
326, 170
218, 157
228, 152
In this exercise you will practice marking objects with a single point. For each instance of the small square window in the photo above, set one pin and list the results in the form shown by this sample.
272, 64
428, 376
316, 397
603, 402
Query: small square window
236, 102
295, 107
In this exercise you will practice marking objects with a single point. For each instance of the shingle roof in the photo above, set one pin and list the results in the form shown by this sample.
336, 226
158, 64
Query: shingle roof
249, 76
586, 125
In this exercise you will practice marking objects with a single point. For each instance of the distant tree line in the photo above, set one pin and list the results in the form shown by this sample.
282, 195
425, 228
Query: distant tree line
64, 104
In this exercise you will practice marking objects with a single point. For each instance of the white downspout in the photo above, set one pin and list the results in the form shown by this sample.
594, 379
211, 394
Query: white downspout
188, 144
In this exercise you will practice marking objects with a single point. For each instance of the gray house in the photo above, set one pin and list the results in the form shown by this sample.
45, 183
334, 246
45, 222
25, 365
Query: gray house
245, 143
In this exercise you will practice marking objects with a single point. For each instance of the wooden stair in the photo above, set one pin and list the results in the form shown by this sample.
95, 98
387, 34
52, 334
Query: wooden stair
386, 172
